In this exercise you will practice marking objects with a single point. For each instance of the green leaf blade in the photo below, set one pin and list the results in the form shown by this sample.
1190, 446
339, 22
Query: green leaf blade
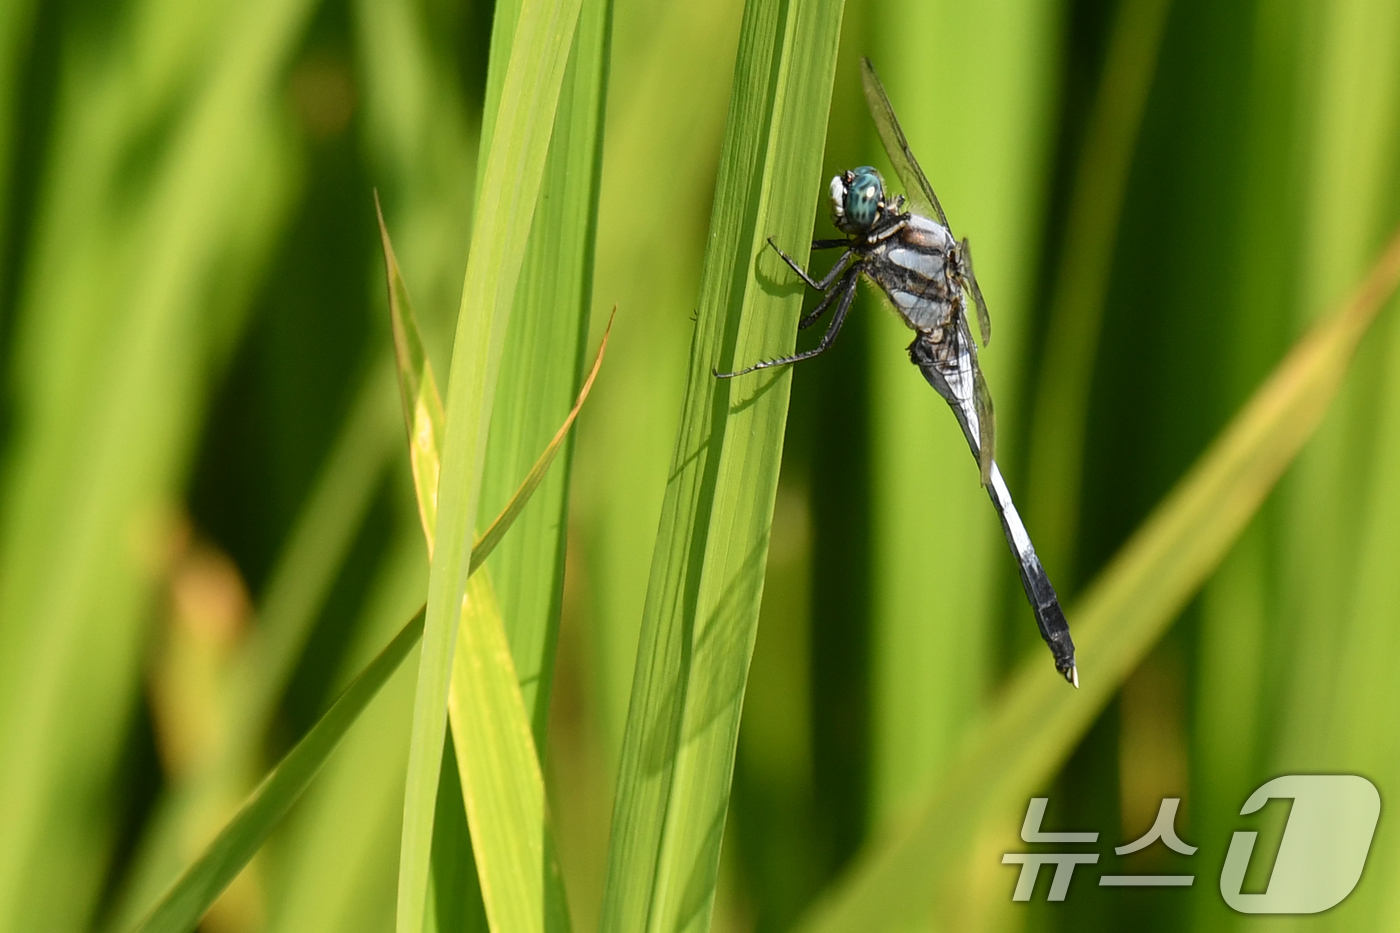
511, 182
418, 391
503, 784
707, 571
181, 908
543, 359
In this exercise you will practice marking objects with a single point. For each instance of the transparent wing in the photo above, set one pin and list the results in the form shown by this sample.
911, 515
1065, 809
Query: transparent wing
984, 319
950, 366
916, 186
986, 422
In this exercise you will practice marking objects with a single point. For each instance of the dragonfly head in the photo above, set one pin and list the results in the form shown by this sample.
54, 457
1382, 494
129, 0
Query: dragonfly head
857, 197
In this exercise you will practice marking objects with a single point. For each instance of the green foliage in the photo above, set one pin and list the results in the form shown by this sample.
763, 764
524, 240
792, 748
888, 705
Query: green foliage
511, 180
750, 655
181, 908
707, 571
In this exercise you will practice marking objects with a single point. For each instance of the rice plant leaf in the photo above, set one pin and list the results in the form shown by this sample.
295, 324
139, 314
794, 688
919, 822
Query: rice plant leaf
949, 854
423, 414
520, 881
544, 358
182, 906
418, 391
296, 591
707, 570
513, 171
488, 715
491, 537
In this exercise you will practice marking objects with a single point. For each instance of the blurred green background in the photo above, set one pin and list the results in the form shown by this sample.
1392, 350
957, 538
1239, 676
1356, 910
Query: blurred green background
204, 491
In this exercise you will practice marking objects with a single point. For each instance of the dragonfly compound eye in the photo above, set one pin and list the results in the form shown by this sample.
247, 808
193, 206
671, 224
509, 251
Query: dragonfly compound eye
864, 195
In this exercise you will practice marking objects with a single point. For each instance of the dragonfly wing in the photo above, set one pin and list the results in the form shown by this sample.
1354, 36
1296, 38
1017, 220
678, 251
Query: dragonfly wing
950, 366
916, 186
984, 318
986, 422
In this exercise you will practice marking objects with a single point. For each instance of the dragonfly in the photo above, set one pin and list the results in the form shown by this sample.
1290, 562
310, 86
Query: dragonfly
904, 245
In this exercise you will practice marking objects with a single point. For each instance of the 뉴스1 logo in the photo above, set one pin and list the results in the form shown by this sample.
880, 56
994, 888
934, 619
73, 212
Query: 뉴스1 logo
1319, 862
1324, 845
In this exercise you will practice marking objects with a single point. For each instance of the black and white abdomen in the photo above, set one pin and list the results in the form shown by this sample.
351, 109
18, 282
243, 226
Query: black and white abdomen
911, 268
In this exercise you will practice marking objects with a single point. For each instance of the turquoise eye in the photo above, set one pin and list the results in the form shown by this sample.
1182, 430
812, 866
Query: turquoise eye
863, 196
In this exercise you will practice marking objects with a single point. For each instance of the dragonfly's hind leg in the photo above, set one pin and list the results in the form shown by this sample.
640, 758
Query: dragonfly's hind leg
846, 292
815, 314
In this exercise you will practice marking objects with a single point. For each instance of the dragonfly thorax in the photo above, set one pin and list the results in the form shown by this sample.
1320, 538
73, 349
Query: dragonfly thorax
857, 198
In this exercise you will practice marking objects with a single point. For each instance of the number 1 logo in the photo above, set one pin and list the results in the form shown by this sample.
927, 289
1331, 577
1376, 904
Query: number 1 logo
1324, 845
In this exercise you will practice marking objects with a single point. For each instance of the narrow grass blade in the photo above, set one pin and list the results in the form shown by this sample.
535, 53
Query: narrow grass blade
491, 537
949, 854
1060, 418
707, 570
521, 885
180, 909
514, 166
424, 418
418, 391
296, 592
520, 888
543, 361
502, 783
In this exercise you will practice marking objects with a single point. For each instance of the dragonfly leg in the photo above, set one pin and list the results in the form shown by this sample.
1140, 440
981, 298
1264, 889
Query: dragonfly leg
815, 314
825, 283
847, 291
830, 244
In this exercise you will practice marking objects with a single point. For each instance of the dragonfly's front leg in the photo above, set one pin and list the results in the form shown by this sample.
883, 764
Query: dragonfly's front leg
825, 283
